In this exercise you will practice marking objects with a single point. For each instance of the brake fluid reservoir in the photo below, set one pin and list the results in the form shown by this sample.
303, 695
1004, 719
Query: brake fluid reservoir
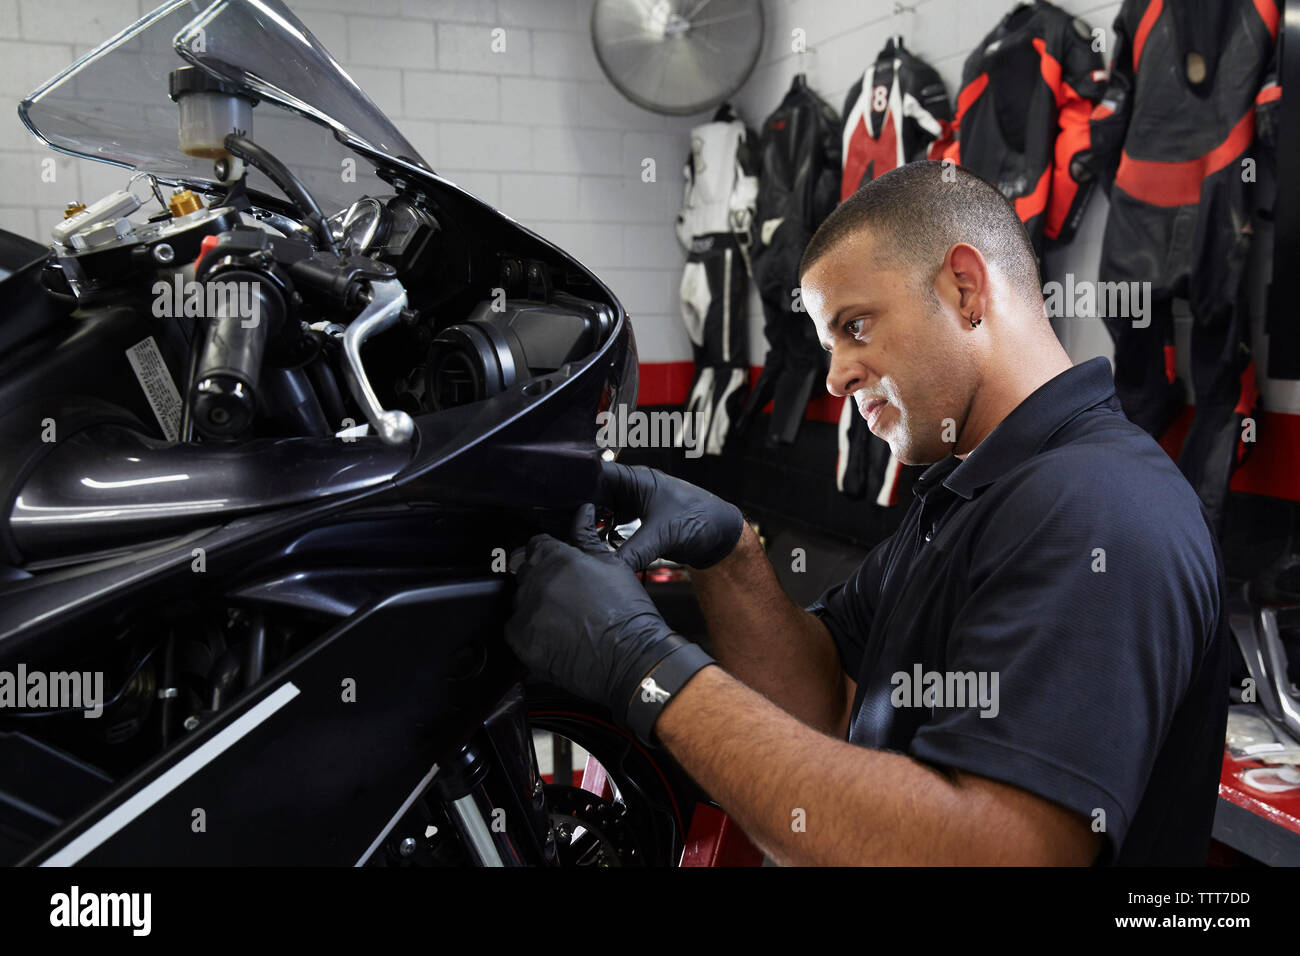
209, 111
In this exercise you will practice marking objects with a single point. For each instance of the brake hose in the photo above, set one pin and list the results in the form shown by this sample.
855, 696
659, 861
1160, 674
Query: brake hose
261, 159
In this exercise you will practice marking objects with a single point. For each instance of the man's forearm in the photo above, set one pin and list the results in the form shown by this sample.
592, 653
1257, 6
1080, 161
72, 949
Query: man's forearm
809, 799
804, 797
763, 638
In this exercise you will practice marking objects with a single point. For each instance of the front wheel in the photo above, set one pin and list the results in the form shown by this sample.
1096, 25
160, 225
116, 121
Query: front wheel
628, 806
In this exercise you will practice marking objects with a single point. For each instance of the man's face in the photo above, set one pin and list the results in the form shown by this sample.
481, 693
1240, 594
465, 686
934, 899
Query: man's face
898, 357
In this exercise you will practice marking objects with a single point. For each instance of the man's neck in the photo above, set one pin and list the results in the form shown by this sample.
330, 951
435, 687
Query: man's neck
1002, 391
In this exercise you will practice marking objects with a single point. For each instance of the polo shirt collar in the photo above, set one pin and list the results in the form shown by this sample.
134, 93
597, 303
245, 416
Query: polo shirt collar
1022, 433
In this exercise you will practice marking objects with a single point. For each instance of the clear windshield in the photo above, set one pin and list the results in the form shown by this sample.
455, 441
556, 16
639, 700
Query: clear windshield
112, 105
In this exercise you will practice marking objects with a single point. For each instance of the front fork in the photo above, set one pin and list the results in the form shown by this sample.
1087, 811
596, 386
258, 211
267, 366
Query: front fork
493, 794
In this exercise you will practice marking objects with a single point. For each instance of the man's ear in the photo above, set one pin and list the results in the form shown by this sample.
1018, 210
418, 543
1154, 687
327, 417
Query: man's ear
966, 277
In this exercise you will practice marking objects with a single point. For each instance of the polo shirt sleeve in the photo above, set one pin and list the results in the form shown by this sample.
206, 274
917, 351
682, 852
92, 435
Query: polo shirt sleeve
1090, 664
848, 609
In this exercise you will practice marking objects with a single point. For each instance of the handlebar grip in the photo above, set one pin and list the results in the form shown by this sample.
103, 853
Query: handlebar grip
223, 394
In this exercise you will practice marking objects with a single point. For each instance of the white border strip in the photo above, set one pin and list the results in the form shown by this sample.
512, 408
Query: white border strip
106, 827
419, 789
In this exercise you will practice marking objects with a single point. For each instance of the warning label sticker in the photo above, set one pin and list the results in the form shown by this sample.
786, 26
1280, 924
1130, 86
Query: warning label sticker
151, 372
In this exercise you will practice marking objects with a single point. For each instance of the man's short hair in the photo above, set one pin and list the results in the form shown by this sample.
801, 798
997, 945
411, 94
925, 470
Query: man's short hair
918, 211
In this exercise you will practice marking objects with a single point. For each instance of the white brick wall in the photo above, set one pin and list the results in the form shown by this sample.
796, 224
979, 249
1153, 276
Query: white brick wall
387, 42
536, 130
73, 21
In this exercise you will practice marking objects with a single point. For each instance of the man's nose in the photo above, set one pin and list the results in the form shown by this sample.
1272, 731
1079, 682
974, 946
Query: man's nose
845, 376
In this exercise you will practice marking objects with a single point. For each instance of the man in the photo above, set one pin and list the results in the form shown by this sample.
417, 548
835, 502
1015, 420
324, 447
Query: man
1031, 670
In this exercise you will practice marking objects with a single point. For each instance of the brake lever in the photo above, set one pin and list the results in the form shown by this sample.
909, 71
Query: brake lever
383, 311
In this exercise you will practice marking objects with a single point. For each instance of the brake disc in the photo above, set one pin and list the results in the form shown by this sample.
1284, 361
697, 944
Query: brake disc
589, 830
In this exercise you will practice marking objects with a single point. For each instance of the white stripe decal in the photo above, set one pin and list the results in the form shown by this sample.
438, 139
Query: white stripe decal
106, 827
406, 805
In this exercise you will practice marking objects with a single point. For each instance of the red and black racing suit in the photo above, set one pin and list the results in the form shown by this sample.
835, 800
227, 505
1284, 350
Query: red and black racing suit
1022, 116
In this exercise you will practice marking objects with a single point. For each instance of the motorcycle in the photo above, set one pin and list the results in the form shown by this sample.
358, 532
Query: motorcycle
269, 441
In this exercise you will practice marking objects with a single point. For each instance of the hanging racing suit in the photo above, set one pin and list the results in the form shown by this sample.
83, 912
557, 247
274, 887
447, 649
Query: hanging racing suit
1171, 143
897, 113
799, 185
1022, 116
714, 226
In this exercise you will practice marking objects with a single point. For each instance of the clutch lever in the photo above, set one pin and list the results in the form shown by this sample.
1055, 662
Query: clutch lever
383, 311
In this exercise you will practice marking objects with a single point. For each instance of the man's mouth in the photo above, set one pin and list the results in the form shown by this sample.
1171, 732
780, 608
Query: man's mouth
871, 410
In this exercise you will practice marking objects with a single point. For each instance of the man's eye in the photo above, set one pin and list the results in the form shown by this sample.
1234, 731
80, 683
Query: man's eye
853, 327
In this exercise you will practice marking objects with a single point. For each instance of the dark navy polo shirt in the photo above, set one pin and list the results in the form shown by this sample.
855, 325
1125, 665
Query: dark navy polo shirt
1051, 613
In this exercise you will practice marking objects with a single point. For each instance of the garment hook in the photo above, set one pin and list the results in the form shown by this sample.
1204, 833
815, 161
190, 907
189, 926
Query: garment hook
900, 8
801, 64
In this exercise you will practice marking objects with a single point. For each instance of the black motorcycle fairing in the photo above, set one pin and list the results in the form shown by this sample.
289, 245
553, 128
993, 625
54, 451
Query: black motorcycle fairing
531, 447
333, 591
24, 434
30, 313
309, 767
84, 353
46, 615
16, 252
42, 789
109, 486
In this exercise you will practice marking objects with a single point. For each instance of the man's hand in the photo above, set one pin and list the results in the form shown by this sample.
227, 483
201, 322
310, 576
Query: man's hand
679, 521
583, 621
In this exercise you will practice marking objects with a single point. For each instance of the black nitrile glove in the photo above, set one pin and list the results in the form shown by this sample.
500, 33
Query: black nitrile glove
679, 521
583, 621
